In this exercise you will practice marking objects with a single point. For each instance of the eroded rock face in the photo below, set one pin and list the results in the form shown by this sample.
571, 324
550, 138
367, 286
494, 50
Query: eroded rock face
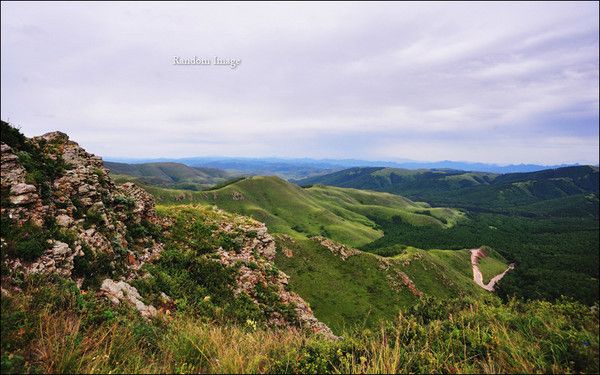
81, 200
58, 259
27, 205
256, 257
95, 215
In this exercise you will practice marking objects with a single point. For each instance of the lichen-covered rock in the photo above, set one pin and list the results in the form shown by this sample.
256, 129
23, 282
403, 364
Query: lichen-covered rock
58, 259
25, 201
143, 202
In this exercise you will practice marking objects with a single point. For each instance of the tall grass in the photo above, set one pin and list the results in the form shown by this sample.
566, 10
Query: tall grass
186, 346
461, 336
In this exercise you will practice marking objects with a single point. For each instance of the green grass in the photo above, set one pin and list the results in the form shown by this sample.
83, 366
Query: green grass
172, 175
508, 193
342, 293
358, 291
344, 215
490, 268
52, 327
365, 289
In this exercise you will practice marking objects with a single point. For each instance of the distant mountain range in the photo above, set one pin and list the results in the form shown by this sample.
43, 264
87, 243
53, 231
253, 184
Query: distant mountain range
305, 167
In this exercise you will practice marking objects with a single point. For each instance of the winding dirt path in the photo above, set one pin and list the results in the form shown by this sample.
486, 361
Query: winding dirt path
477, 254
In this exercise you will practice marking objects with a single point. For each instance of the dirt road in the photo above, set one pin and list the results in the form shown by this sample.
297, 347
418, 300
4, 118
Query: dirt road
477, 254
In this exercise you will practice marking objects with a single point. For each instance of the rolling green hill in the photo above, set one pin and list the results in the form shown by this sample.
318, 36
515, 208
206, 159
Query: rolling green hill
77, 303
547, 240
513, 192
344, 215
365, 289
174, 175
347, 288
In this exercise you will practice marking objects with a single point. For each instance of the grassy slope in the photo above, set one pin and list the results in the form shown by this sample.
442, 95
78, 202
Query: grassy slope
515, 192
343, 215
344, 293
361, 292
168, 174
52, 327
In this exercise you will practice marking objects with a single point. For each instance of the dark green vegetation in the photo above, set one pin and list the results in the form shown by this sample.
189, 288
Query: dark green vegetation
546, 222
573, 191
553, 256
171, 175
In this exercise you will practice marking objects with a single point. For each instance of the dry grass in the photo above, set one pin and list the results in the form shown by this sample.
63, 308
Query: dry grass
188, 346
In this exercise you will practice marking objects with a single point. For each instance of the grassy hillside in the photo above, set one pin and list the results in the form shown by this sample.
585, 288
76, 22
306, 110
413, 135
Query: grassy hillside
223, 306
554, 256
175, 175
365, 290
513, 192
545, 221
343, 215
548, 251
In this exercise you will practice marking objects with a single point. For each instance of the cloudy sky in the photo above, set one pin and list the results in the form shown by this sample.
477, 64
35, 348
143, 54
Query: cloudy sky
503, 83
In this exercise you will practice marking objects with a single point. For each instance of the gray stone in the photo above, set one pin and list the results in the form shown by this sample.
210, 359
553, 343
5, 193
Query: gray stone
22, 188
121, 291
64, 220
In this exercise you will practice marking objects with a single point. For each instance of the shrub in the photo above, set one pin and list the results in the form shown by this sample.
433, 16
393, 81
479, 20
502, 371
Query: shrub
30, 249
26, 242
93, 217
12, 136
122, 200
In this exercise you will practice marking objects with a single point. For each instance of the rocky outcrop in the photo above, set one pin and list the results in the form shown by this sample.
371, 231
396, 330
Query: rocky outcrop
237, 196
256, 257
143, 203
83, 216
80, 199
59, 259
24, 198
338, 249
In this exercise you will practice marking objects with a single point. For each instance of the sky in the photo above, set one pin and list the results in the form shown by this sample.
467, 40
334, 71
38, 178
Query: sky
485, 82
